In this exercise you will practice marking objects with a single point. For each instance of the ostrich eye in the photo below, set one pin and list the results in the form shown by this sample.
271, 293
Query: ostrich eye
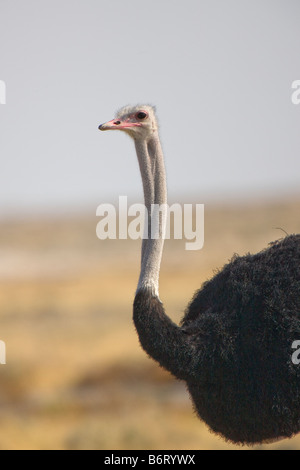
141, 115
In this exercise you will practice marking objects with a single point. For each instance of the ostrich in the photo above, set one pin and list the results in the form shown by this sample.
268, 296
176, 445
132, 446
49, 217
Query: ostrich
233, 347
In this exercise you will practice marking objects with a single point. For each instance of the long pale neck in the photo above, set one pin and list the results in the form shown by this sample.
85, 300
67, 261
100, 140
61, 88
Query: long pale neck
152, 169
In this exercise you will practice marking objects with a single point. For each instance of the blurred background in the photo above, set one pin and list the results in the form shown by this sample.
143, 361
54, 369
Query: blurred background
220, 74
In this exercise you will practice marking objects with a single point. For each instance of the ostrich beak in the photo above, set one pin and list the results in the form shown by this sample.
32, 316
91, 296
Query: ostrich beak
110, 125
115, 124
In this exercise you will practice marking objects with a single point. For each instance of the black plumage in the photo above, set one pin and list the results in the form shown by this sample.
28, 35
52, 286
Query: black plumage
234, 345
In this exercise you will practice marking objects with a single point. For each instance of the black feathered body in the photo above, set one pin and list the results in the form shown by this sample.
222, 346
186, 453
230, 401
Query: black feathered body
234, 346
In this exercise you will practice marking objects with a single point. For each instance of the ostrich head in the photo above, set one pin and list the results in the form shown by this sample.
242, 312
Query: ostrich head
137, 121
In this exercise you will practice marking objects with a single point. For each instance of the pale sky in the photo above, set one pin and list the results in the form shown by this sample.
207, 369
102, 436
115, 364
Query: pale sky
219, 72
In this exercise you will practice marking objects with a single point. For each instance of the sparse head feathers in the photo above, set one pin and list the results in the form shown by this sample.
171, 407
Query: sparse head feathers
142, 128
137, 121
129, 110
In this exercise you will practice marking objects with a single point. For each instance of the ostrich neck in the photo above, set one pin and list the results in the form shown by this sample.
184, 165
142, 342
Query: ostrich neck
151, 161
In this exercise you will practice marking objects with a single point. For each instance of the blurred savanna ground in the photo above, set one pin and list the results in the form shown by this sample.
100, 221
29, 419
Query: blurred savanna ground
76, 377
